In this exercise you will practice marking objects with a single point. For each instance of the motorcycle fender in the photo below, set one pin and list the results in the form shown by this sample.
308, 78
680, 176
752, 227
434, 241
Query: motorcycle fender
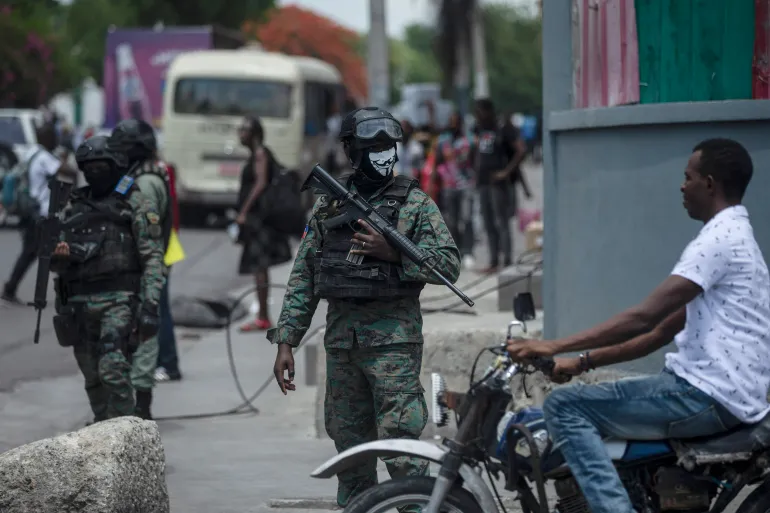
413, 449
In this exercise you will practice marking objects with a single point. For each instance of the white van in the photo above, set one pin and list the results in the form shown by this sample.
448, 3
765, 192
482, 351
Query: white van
207, 94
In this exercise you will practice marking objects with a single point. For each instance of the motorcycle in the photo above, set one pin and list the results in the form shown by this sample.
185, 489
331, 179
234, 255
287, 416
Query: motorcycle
696, 475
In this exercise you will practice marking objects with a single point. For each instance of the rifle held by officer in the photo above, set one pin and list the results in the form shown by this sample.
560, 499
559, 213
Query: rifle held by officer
357, 207
48, 231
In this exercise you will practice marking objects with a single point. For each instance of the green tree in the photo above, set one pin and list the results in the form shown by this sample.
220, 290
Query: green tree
513, 49
513, 41
87, 23
36, 62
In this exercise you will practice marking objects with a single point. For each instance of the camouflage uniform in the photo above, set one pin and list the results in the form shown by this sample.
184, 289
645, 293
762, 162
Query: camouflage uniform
373, 350
145, 358
105, 321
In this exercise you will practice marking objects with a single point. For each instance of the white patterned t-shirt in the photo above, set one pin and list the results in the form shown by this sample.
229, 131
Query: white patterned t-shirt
724, 348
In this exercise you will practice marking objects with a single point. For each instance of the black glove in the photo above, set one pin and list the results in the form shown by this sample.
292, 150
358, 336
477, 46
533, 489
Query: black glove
149, 322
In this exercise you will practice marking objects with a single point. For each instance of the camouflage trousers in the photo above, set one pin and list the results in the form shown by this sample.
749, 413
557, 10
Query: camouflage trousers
106, 327
374, 393
143, 365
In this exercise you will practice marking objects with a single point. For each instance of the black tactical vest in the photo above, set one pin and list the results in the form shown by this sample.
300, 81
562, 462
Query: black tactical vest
151, 167
103, 254
336, 278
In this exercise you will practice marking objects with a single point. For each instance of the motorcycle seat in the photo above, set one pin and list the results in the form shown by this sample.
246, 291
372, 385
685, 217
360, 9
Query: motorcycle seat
744, 439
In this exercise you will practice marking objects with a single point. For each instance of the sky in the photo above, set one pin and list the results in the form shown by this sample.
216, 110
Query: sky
399, 13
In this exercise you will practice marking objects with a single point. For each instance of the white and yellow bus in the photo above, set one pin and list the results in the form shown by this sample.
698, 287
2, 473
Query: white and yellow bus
207, 94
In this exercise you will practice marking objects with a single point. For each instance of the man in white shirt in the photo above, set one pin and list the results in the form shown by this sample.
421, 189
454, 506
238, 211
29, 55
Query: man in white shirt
42, 167
716, 307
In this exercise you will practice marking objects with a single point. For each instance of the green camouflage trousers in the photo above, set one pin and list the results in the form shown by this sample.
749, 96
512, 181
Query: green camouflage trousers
144, 363
374, 393
106, 325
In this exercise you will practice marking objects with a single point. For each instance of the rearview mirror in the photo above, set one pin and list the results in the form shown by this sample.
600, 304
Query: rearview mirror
524, 307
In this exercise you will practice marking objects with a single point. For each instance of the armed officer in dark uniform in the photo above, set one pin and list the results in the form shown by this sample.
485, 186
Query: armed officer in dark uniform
110, 266
373, 334
136, 139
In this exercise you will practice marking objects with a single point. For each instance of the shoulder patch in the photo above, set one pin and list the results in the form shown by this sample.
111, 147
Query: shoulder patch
124, 185
153, 218
307, 229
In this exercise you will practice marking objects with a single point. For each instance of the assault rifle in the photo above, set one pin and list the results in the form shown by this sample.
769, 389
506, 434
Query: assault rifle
355, 207
48, 231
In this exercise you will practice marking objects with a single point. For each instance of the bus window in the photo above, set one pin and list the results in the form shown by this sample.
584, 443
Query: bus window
319, 100
232, 97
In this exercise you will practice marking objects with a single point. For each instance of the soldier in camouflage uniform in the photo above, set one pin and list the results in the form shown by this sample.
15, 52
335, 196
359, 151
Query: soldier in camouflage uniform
373, 335
110, 266
136, 139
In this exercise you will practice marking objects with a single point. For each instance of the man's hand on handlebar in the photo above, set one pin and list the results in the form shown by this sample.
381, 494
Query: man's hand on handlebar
522, 350
539, 351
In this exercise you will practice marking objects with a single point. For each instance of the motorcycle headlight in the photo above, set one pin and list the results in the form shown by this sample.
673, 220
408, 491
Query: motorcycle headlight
541, 442
439, 410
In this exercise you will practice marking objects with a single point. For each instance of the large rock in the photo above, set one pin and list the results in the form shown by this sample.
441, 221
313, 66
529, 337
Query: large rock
115, 466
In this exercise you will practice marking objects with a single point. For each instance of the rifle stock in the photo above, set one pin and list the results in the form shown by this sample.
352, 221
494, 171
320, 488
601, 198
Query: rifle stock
48, 231
357, 207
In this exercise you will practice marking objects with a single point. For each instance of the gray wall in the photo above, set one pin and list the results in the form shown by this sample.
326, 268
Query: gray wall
614, 221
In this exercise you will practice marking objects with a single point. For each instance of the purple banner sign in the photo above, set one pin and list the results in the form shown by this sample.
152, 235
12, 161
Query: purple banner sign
135, 64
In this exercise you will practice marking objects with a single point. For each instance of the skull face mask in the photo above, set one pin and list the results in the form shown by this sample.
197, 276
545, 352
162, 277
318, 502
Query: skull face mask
382, 161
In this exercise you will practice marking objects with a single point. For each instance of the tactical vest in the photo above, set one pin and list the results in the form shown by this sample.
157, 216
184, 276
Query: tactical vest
336, 278
103, 255
152, 167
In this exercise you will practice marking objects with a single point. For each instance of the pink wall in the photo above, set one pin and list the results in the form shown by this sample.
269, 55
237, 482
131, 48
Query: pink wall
606, 65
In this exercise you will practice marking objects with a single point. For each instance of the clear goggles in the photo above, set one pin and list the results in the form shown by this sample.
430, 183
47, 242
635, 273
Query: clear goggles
369, 128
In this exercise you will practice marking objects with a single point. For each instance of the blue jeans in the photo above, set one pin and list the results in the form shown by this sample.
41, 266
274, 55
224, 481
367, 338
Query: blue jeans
657, 407
167, 355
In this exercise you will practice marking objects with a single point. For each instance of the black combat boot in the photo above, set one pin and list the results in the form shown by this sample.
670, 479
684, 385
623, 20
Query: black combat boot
143, 402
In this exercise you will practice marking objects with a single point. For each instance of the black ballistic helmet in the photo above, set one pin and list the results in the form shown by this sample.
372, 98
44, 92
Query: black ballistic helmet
135, 138
96, 148
370, 126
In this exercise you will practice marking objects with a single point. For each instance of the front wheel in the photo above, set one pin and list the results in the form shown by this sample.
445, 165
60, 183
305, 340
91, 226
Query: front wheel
410, 491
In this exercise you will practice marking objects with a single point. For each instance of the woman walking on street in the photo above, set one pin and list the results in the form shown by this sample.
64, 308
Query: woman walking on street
455, 167
263, 247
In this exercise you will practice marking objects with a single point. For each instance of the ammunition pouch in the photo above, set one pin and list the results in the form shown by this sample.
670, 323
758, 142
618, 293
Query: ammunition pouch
67, 330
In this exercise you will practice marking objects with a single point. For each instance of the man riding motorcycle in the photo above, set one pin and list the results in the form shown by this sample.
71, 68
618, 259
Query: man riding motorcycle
716, 306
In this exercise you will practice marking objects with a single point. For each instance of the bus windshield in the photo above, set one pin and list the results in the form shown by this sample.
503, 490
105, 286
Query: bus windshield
232, 97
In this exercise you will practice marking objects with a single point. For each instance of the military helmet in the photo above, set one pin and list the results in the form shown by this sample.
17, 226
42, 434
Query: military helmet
369, 124
96, 148
135, 138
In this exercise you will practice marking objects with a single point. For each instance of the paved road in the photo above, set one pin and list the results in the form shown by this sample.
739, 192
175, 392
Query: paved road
210, 268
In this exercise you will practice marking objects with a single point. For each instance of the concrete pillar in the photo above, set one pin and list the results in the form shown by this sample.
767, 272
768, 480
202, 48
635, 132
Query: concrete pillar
377, 64
557, 95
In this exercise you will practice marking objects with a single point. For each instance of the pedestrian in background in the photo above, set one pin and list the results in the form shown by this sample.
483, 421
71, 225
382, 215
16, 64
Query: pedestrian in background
42, 166
458, 192
493, 177
263, 246
168, 356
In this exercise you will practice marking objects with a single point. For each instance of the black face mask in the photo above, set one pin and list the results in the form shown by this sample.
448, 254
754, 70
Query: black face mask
102, 181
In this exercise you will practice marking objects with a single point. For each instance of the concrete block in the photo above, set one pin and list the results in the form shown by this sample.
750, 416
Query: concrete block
115, 466
512, 281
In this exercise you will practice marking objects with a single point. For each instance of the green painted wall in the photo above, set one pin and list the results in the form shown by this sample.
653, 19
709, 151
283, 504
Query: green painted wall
695, 50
